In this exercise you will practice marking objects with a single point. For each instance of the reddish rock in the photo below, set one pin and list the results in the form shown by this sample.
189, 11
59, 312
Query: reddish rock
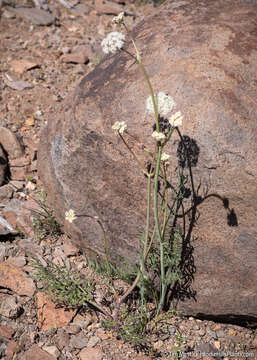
6, 331
69, 249
6, 192
75, 58
203, 53
108, 7
51, 316
91, 354
10, 143
20, 66
12, 348
9, 306
15, 279
35, 352
20, 215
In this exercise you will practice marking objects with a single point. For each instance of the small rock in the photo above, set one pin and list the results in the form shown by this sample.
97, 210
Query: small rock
80, 9
19, 214
158, 345
35, 353
6, 228
102, 335
11, 349
30, 247
9, 307
2, 350
93, 341
50, 316
17, 185
18, 85
82, 321
78, 341
202, 332
62, 339
73, 329
91, 354
15, 279
6, 192
69, 249
220, 334
20, 66
212, 334
35, 16
231, 332
75, 58
30, 186
18, 261
52, 350
4, 251
8, 14
217, 344
84, 49
108, 7
10, 143
6, 331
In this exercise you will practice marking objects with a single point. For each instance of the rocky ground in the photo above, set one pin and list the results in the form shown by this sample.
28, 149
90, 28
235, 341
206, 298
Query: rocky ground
44, 54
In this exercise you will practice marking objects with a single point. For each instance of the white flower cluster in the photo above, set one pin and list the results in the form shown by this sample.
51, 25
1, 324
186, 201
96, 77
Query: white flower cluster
176, 119
158, 136
113, 42
165, 103
119, 127
165, 157
70, 215
119, 19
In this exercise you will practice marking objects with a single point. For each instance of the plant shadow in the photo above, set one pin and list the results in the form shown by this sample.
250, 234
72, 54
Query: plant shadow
186, 218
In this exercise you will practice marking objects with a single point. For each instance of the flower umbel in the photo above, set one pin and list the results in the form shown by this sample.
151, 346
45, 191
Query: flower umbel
165, 157
165, 103
176, 119
158, 136
70, 215
113, 42
119, 127
119, 19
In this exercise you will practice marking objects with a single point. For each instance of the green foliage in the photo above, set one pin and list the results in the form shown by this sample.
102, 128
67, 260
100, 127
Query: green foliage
44, 221
109, 271
64, 286
134, 325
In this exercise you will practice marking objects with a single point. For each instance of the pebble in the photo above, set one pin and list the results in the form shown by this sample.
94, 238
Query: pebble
93, 341
9, 306
73, 329
78, 341
52, 350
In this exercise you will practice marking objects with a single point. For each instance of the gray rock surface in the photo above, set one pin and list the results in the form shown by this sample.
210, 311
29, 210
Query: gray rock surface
204, 54
35, 16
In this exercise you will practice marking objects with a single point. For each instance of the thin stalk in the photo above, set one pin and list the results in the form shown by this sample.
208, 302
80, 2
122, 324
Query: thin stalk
134, 156
139, 61
156, 216
145, 253
156, 115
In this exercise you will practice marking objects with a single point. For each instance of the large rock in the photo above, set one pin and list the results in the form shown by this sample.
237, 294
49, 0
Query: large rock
204, 54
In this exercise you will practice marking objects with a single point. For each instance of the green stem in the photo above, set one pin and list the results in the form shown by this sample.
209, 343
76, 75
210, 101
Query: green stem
156, 115
157, 223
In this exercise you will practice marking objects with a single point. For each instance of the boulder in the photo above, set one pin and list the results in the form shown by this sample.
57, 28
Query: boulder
203, 54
